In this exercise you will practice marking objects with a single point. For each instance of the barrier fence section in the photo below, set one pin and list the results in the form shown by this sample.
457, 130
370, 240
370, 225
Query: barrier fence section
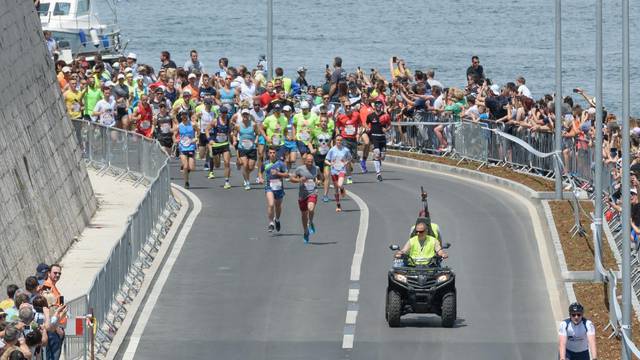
125, 155
525, 150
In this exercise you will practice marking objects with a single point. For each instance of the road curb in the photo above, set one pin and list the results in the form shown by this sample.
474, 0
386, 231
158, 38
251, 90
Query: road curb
133, 309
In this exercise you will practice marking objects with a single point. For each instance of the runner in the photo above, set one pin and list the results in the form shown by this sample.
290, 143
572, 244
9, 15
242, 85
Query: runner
364, 111
258, 116
204, 116
289, 151
273, 128
378, 123
323, 137
274, 170
304, 122
73, 100
246, 131
338, 158
187, 145
348, 124
143, 116
307, 175
105, 109
219, 143
166, 127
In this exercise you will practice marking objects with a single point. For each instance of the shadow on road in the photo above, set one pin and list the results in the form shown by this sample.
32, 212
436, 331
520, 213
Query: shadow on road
429, 321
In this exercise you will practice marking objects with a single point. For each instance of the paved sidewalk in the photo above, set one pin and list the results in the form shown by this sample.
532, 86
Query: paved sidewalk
117, 200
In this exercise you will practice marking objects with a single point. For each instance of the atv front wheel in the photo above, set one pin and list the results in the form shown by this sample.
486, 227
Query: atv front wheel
448, 309
394, 308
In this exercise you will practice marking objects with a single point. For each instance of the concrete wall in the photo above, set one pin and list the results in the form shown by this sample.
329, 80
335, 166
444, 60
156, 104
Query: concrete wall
46, 198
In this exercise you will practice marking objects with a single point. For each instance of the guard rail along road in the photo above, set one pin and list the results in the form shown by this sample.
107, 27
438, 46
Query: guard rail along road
127, 156
494, 143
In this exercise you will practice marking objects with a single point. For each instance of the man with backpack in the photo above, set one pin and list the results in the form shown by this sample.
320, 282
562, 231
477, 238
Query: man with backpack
576, 336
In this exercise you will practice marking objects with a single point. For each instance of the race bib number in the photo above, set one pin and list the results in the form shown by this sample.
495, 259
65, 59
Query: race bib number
350, 130
247, 144
310, 185
107, 119
145, 124
75, 107
304, 136
165, 128
275, 140
324, 149
220, 138
185, 141
289, 133
275, 184
338, 165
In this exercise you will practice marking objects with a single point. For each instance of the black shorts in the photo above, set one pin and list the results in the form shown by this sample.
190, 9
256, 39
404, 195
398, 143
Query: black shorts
166, 142
379, 142
219, 150
189, 154
202, 139
303, 148
319, 160
352, 145
249, 154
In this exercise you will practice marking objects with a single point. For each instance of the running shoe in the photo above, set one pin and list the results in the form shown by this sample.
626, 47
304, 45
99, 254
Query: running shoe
186, 185
277, 225
227, 185
312, 228
338, 208
206, 167
247, 185
325, 198
363, 165
211, 175
271, 227
306, 238
349, 180
379, 177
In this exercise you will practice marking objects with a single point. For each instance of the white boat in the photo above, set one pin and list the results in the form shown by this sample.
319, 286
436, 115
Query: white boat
78, 31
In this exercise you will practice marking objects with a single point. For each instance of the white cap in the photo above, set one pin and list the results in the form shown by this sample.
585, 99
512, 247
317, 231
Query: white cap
245, 111
109, 84
591, 110
495, 89
128, 70
120, 76
186, 92
116, 65
138, 77
66, 69
191, 76
286, 108
304, 105
132, 56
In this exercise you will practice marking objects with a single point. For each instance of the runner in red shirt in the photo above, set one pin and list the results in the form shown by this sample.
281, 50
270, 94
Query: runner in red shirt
268, 96
348, 123
143, 115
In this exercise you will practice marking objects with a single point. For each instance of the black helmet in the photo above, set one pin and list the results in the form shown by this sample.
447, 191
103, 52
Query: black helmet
576, 307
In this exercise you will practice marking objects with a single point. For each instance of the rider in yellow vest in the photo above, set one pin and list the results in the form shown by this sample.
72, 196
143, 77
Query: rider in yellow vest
422, 247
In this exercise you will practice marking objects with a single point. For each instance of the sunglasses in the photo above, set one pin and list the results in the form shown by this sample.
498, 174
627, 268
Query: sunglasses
576, 315
419, 232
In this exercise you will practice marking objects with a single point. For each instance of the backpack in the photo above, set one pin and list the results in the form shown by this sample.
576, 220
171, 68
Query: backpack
568, 321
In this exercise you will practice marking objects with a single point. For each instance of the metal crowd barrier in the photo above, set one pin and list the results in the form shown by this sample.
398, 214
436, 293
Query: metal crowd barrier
142, 160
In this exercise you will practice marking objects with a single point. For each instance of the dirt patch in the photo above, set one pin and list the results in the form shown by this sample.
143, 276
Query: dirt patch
534, 182
592, 296
578, 251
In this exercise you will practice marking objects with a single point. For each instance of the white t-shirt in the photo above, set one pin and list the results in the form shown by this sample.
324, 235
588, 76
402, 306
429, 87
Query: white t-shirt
247, 92
524, 90
439, 102
473, 110
577, 334
107, 108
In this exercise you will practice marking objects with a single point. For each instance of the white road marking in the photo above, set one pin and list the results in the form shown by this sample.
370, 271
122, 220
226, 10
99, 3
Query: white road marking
552, 289
141, 324
356, 264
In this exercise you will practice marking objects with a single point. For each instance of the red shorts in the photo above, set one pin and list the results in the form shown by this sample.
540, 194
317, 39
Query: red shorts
303, 203
335, 178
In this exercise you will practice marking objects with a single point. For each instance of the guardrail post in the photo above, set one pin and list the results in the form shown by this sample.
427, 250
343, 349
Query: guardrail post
597, 217
558, 97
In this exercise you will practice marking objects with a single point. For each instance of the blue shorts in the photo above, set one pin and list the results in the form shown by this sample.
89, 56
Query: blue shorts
304, 149
277, 194
292, 146
262, 140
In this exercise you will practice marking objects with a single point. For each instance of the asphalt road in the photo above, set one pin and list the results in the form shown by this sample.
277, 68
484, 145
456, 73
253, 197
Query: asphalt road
238, 292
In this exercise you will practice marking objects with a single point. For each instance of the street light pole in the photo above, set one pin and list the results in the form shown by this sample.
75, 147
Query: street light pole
558, 101
626, 205
597, 183
270, 39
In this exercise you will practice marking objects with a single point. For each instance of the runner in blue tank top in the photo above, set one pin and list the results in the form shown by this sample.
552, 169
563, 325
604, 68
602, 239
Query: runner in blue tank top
187, 145
247, 135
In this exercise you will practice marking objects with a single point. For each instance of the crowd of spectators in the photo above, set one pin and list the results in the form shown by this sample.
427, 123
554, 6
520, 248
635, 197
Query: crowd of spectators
33, 317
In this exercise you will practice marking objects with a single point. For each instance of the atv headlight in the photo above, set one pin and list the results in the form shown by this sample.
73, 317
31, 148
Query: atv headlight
400, 278
442, 278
